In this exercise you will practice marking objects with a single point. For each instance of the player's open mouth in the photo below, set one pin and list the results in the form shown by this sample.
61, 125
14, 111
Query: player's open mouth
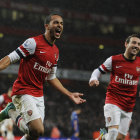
135, 48
58, 31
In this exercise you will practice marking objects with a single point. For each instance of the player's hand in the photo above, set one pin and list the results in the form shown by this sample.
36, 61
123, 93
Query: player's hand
93, 83
76, 98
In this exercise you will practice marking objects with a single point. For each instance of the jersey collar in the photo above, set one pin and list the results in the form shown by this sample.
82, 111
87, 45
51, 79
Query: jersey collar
128, 59
47, 40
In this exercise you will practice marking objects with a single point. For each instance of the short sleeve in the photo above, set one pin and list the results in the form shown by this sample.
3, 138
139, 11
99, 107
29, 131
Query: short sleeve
106, 66
27, 48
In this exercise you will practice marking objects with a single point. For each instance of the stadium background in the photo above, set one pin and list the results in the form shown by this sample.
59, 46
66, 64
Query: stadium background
93, 31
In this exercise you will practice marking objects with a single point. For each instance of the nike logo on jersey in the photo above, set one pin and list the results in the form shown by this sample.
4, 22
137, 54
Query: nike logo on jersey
118, 67
42, 52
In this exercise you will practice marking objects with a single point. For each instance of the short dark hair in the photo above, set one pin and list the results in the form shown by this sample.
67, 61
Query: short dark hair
48, 18
133, 35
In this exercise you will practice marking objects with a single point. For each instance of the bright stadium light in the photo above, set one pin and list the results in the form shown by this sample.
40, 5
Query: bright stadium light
101, 46
1, 35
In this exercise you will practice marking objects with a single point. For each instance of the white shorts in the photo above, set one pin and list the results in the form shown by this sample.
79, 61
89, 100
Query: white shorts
116, 116
29, 107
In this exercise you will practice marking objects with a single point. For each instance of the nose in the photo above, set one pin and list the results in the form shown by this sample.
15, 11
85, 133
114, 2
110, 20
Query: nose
60, 24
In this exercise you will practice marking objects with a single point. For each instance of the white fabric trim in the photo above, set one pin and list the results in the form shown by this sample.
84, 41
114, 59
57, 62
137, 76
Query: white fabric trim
14, 57
52, 74
21, 51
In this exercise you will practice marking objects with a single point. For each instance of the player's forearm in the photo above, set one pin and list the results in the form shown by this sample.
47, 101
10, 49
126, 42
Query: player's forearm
95, 75
4, 62
57, 84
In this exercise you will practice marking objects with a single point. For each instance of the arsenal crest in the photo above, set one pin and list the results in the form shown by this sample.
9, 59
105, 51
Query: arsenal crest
29, 112
138, 69
109, 119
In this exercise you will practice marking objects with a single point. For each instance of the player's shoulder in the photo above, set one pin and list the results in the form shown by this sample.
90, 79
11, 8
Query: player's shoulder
117, 57
73, 113
37, 38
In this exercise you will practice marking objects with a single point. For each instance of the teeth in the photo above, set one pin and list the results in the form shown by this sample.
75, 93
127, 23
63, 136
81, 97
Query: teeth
58, 29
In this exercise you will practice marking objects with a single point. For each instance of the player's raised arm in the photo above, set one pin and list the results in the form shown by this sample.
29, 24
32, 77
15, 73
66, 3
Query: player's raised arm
7, 60
27, 48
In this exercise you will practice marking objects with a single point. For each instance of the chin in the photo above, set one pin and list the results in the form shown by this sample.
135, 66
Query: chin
57, 37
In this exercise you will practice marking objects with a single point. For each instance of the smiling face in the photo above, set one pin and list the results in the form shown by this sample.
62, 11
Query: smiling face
132, 47
55, 27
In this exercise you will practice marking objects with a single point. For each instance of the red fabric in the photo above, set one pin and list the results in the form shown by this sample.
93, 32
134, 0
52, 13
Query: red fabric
123, 84
34, 68
7, 100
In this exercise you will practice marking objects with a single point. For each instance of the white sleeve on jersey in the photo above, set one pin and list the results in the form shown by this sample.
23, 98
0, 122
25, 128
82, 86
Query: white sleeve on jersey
1, 99
52, 74
29, 45
106, 66
27, 48
95, 75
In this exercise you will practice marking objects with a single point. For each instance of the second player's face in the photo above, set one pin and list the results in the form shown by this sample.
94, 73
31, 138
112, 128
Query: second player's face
133, 47
56, 26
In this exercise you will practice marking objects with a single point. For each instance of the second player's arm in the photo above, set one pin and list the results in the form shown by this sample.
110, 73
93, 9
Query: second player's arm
102, 69
94, 78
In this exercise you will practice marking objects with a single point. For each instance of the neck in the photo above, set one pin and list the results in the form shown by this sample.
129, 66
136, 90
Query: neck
130, 57
49, 39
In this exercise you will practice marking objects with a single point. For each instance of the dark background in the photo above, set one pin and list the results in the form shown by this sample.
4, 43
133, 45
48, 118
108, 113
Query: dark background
93, 31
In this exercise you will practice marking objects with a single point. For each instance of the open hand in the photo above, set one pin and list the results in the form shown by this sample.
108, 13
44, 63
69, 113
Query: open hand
76, 98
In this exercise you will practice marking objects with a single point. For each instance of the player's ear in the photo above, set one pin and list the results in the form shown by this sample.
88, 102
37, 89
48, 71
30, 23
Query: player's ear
125, 44
46, 26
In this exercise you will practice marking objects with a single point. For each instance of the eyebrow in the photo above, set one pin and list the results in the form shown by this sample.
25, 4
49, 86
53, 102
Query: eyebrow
57, 21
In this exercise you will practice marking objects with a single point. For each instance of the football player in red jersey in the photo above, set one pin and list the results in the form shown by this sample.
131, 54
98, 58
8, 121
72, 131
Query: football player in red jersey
6, 127
122, 89
5, 98
38, 63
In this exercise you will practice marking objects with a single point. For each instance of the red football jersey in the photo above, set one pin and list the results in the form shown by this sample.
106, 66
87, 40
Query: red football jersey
38, 60
123, 84
6, 100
